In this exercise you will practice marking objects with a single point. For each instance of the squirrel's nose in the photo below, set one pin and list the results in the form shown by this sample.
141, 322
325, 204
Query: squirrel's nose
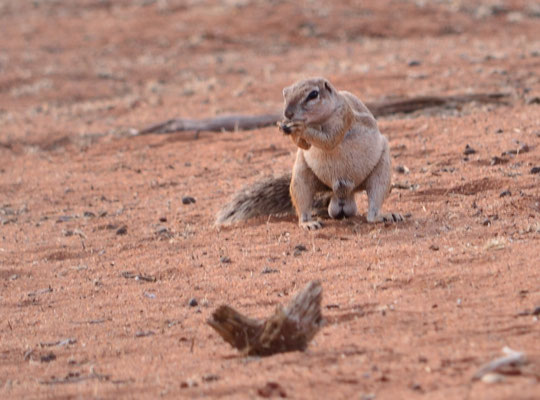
289, 113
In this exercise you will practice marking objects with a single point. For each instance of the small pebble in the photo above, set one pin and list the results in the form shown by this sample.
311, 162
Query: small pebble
535, 170
48, 357
210, 378
416, 386
533, 100
297, 252
162, 219
469, 150
225, 260
272, 390
193, 302
189, 383
414, 63
188, 200
402, 169
498, 160
505, 193
434, 247
163, 231
122, 230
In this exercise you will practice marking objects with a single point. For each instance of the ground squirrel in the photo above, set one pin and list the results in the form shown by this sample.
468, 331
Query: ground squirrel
340, 152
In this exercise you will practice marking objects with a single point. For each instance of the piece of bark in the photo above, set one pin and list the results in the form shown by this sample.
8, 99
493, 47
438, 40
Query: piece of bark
379, 109
288, 329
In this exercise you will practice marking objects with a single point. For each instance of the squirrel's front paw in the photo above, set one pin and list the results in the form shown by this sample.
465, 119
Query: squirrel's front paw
302, 143
294, 129
291, 127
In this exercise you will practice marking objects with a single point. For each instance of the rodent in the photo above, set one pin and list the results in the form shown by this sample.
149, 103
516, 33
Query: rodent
340, 152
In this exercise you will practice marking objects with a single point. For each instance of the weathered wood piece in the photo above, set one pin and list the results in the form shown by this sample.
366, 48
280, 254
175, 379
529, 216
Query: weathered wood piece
288, 329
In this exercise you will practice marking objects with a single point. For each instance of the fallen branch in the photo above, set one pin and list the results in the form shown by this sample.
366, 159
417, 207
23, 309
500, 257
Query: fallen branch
217, 124
510, 364
288, 329
230, 123
418, 103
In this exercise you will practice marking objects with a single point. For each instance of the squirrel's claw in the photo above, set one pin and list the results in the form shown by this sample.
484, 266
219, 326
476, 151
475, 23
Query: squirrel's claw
311, 225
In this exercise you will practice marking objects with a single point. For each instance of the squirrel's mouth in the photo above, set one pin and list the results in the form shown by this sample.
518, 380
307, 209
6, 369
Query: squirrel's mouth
285, 128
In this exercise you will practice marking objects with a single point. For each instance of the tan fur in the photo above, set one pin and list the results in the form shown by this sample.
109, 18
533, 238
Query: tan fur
347, 152
340, 150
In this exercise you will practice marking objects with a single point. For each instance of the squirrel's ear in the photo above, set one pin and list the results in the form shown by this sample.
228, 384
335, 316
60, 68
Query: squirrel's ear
286, 91
328, 86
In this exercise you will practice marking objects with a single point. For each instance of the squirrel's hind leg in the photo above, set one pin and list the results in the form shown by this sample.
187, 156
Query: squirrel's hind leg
342, 203
377, 187
304, 186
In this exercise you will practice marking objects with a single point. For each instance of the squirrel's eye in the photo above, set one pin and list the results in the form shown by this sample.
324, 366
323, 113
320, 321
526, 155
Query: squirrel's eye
312, 95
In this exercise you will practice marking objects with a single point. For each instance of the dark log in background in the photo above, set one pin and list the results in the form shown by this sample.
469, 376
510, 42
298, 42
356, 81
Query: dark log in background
230, 123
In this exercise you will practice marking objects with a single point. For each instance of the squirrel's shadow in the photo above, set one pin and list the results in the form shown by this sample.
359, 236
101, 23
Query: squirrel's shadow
358, 223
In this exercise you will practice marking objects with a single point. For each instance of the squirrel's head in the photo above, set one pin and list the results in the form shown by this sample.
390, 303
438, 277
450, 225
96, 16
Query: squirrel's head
311, 100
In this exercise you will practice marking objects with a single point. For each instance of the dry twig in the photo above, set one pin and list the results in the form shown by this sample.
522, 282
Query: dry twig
75, 377
138, 277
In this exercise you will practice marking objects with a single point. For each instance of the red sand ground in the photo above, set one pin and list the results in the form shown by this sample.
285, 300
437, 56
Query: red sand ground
412, 309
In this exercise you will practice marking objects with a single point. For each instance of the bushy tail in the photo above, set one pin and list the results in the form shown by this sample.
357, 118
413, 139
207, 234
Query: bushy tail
266, 197
269, 196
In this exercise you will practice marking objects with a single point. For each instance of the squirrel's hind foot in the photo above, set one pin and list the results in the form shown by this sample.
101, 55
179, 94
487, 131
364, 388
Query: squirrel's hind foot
386, 218
311, 225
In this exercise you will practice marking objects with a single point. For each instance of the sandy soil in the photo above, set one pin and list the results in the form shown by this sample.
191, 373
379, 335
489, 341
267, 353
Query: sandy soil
412, 309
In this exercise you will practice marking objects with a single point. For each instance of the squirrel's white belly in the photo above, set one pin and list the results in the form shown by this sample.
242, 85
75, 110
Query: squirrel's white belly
352, 160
